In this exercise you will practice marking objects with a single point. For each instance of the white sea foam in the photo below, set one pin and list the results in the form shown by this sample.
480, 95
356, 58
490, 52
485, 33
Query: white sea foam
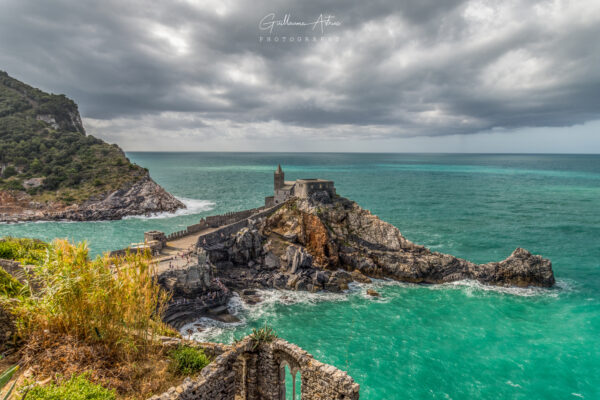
211, 328
193, 206
271, 298
472, 287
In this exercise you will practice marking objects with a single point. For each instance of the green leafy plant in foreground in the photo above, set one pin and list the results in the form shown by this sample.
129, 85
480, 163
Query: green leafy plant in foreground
77, 388
266, 334
4, 378
186, 360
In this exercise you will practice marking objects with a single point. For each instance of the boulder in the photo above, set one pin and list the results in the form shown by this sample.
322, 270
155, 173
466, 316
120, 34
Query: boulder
298, 258
359, 277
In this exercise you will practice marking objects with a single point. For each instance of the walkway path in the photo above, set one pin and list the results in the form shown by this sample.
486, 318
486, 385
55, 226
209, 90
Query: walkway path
177, 253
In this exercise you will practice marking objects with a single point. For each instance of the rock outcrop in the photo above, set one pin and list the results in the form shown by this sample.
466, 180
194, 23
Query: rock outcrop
195, 293
324, 244
143, 197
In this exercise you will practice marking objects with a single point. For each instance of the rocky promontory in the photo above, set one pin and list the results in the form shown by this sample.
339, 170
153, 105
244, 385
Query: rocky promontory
324, 243
50, 169
142, 197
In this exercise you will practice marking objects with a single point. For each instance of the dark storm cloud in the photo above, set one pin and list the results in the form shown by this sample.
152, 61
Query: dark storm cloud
398, 68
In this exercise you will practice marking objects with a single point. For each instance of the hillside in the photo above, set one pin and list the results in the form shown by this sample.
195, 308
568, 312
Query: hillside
50, 168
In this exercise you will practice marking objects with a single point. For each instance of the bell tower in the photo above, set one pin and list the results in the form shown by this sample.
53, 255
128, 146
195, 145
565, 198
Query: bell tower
279, 178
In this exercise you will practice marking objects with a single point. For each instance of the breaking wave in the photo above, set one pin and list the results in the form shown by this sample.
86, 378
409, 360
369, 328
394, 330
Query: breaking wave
193, 206
206, 329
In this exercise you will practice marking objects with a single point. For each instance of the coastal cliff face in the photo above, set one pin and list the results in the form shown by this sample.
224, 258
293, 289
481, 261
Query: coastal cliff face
51, 170
142, 197
322, 243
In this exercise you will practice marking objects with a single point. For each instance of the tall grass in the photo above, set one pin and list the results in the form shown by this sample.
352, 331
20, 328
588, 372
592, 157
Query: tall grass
24, 250
9, 286
115, 302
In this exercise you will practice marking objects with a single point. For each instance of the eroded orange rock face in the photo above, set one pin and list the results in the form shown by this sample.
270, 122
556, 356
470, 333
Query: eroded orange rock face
308, 230
317, 240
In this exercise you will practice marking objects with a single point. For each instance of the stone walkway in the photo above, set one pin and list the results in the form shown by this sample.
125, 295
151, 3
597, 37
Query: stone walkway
176, 253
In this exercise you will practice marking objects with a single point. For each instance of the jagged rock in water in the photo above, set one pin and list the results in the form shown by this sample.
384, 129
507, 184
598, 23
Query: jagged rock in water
196, 293
143, 197
312, 245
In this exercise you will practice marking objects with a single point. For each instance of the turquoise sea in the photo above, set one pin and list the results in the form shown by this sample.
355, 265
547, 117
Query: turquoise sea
459, 341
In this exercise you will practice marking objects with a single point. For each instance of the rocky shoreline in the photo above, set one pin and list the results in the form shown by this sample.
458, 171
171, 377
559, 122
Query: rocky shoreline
143, 197
324, 244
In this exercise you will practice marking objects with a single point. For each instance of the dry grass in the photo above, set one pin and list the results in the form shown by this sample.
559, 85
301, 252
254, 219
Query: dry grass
115, 303
59, 357
100, 317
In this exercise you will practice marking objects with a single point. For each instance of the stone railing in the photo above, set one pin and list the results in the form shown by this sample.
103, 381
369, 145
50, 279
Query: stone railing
215, 221
227, 223
214, 237
250, 372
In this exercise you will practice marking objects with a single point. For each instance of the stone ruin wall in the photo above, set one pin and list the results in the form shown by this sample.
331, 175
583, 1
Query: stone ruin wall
248, 373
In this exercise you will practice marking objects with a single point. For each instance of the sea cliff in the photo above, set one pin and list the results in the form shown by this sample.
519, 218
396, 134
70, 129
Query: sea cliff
321, 243
324, 243
50, 169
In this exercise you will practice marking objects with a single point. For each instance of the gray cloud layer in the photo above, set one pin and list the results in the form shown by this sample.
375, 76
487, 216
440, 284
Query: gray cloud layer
397, 68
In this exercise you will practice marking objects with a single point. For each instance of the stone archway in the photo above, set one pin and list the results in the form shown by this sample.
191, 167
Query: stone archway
289, 378
283, 360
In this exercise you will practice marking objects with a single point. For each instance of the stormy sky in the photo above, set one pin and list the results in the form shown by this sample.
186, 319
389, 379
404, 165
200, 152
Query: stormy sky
378, 75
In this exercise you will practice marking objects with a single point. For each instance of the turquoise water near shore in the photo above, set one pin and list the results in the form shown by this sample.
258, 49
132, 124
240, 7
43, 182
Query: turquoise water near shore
457, 341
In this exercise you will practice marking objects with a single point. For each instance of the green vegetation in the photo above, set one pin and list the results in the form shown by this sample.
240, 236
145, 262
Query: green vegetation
100, 317
116, 303
5, 378
9, 286
266, 334
186, 360
42, 137
24, 250
76, 388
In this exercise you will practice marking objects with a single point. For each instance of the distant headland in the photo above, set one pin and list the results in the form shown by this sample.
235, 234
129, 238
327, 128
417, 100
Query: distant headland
51, 170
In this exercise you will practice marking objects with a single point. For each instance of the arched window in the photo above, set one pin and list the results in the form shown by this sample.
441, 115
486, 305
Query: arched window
291, 383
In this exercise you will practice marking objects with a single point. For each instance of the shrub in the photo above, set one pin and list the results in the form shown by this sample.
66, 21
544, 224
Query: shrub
186, 360
9, 286
9, 171
76, 388
265, 334
115, 302
12, 185
23, 250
